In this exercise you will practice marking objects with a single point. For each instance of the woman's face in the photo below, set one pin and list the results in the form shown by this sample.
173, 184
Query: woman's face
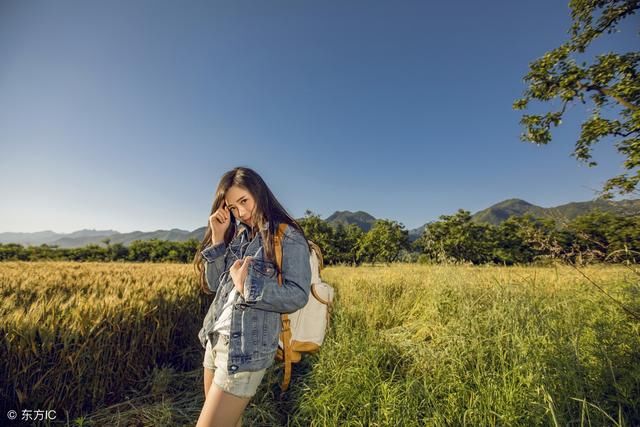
241, 203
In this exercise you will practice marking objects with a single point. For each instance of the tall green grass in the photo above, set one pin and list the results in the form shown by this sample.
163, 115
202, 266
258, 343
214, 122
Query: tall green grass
408, 345
419, 345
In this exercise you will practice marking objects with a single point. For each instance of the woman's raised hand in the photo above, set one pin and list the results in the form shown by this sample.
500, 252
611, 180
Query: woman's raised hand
239, 271
219, 222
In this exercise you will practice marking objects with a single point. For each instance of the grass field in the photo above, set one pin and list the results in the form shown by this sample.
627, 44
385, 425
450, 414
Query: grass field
115, 344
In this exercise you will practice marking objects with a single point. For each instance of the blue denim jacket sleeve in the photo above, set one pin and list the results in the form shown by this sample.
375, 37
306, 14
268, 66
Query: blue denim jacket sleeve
213, 264
264, 292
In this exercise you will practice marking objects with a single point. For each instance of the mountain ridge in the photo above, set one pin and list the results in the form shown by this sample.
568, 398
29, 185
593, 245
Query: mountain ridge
494, 214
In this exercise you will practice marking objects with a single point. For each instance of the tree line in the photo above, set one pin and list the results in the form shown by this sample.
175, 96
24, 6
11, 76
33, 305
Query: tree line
153, 250
593, 237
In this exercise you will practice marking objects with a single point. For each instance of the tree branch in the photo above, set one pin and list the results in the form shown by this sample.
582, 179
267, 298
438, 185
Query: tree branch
623, 134
607, 92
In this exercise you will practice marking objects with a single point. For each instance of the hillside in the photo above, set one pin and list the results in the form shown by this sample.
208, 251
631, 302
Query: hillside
492, 215
359, 218
561, 214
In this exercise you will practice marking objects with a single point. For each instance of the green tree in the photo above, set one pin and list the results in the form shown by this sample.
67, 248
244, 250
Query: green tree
118, 251
140, 250
346, 241
354, 236
456, 237
321, 233
602, 236
610, 79
521, 239
13, 252
383, 242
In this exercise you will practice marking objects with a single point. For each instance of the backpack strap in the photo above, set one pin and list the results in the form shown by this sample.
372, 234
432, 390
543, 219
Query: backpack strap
278, 248
285, 334
318, 297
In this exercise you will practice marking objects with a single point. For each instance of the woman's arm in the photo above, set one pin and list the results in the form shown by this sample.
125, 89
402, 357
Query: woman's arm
263, 291
213, 264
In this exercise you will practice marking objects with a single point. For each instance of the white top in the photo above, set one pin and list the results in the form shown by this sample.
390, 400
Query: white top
223, 324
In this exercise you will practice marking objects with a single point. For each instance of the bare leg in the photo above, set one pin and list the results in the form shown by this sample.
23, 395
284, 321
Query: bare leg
221, 409
208, 378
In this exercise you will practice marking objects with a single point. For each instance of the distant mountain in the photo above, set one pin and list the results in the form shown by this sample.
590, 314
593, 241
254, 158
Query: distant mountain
627, 207
359, 218
561, 214
492, 215
415, 233
52, 238
86, 237
173, 235
503, 210
81, 234
197, 234
36, 238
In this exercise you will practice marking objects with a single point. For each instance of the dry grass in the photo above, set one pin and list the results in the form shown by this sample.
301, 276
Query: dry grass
408, 345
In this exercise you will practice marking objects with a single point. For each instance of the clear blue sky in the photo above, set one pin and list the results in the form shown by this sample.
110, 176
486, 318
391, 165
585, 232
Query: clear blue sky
123, 115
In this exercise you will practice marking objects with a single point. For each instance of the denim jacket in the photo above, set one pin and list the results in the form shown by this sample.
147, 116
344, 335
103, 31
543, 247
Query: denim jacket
255, 317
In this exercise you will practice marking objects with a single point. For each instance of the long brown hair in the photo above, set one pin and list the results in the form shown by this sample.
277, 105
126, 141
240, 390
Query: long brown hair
266, 209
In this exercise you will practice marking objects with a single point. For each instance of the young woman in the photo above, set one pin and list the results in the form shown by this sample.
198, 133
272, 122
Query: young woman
236, 261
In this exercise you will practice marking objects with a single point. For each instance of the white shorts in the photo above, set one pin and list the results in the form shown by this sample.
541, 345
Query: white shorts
240, 384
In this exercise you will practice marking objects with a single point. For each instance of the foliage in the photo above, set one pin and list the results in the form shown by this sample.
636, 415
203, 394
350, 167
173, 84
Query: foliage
456, 237
321, 233
608, 80
512, 238
153, 250
383, 242
346, 241
594, 237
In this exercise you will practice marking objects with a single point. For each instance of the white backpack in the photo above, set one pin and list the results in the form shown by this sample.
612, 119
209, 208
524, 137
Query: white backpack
303, 331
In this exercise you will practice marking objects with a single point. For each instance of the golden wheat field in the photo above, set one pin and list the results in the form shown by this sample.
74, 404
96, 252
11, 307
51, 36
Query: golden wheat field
116, 344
